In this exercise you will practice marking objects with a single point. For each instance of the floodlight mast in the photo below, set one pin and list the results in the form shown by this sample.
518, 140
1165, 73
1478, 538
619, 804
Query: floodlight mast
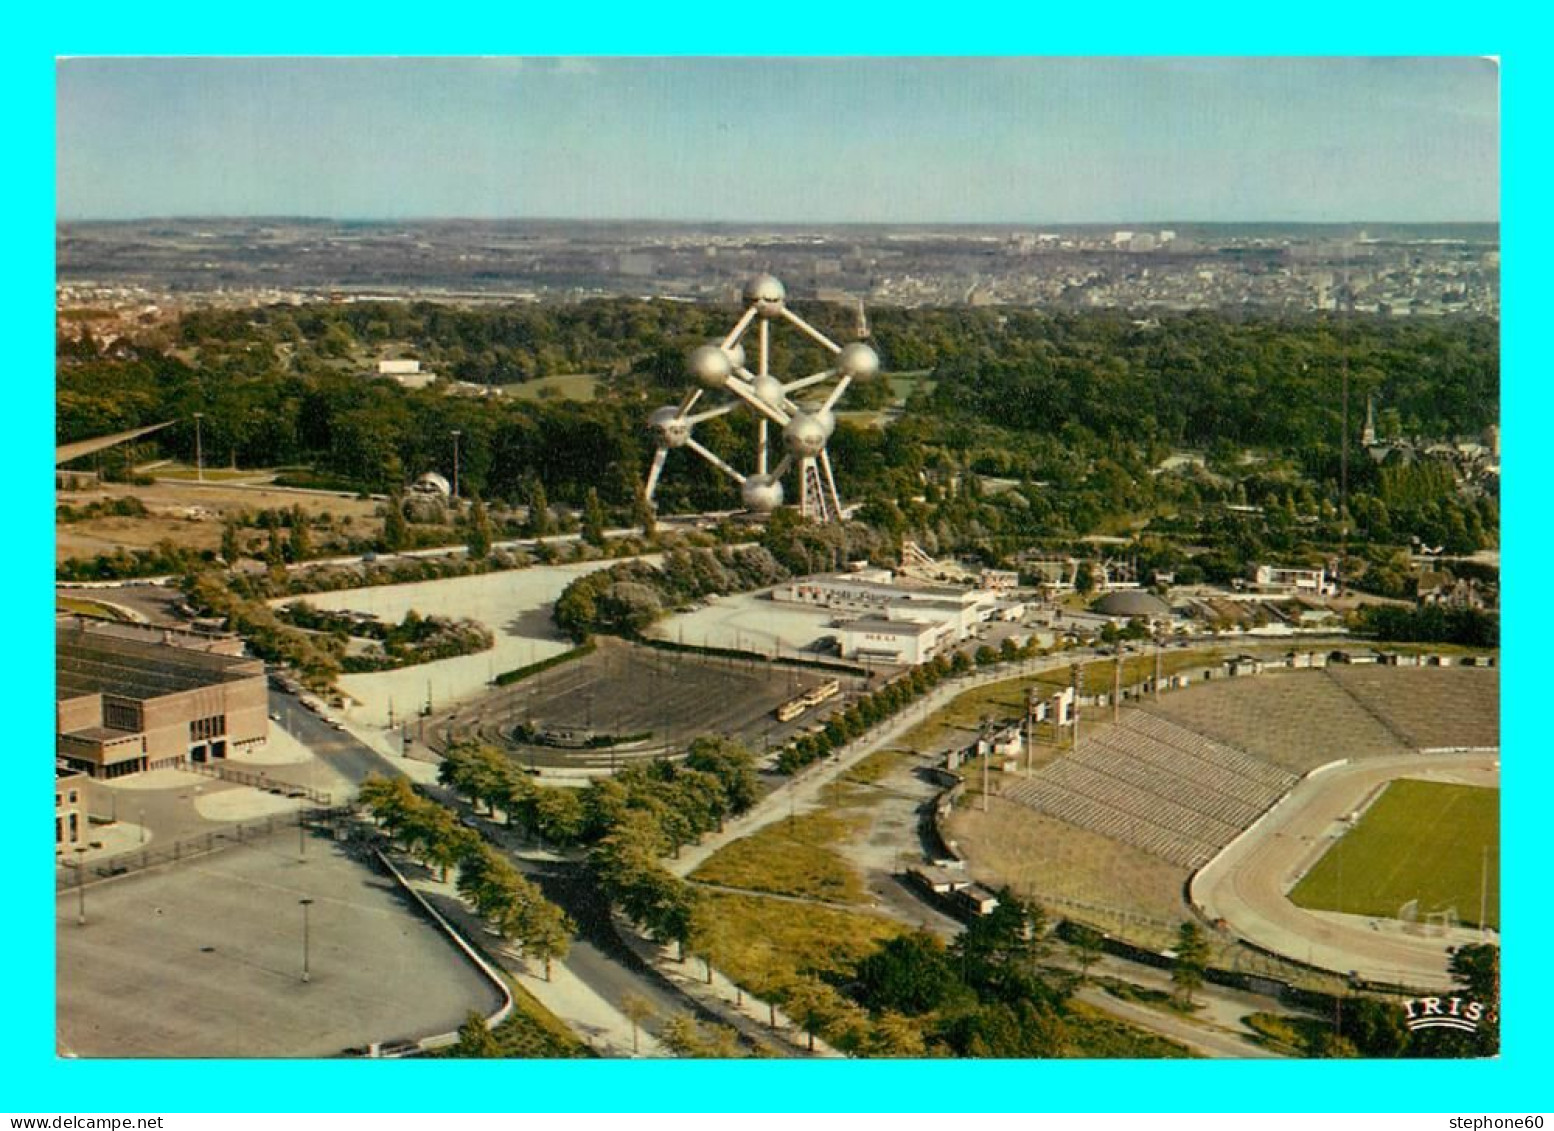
805, 431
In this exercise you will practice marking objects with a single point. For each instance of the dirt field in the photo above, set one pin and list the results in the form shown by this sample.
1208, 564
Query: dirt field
1068, 868
188, 514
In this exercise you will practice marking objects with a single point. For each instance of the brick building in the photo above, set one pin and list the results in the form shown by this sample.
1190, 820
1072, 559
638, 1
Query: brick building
124, 705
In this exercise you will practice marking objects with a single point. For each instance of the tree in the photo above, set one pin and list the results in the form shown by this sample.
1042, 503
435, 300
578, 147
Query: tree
812, 1005
479, 533
1089, 947
547, 933
540, 523
475, 1040
910, 974
593, 518
732, 763
644, 514
896, 1035
637, 1010
230, 551
396, 535
1192, 959
1476, 968
682, 1036
559, 816
298, 543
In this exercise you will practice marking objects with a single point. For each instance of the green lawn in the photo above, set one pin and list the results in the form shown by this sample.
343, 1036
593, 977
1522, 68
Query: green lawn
567, 387
1420, 840
88, 608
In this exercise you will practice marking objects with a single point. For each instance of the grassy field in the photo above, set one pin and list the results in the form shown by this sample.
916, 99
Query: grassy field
1420, 840
570, 387
88, 608
175, 471
767, 943
793, 857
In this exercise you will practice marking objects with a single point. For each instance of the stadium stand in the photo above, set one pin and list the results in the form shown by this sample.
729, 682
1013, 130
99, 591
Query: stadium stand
1155, 785
1429, 708
1182, 777
1295, 720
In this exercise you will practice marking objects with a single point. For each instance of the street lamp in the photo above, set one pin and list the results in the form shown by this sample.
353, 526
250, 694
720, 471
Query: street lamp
81, 885
199, 450
456, 434
306, 903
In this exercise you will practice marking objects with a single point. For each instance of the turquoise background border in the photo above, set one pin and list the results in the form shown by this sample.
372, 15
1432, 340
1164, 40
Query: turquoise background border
36, 1081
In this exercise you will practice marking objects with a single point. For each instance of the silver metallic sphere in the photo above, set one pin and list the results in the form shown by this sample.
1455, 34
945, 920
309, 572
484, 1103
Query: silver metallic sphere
710, 366
858, 361
768, 390
827, 421
670, 428
736, 355
805, 435
762, 493
767, 293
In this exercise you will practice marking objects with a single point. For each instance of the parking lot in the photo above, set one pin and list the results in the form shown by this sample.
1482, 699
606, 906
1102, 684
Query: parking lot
662, 700
205, 959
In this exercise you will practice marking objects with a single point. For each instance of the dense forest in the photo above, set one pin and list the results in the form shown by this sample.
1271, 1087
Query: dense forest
1017, 424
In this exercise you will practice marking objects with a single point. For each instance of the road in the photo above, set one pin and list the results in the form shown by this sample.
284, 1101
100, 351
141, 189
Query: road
350, 757
597, 957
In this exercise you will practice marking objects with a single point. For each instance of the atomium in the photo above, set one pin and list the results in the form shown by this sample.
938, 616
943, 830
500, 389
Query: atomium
805, 427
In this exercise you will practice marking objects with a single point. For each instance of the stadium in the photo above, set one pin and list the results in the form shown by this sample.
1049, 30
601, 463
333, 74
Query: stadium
1341, 819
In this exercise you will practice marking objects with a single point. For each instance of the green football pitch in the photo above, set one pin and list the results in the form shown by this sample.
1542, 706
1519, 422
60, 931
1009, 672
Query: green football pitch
1421, 841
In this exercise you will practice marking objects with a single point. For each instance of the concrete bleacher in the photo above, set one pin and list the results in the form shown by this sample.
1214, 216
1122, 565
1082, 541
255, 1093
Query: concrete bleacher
1181, 777
1296, 720
1429, 708
1155, 785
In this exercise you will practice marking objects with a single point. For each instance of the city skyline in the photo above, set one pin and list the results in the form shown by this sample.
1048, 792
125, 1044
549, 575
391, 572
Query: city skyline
885, 140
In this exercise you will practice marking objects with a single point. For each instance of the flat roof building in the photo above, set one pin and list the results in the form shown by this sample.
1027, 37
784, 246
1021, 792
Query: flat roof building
890, 641
125, 705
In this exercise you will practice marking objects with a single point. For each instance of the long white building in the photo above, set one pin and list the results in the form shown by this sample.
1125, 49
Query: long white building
897, 624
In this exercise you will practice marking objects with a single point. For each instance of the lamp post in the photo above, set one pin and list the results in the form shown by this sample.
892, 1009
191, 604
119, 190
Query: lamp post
199, 449
306, 903
80, 885
456, 463
142, 824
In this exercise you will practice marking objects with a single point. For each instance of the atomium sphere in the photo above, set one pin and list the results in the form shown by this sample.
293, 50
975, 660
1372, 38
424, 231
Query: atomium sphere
710, 366
736, 355
827, 421
768, 390
805, 435
670, 427
768, 295
762, 493
858, 361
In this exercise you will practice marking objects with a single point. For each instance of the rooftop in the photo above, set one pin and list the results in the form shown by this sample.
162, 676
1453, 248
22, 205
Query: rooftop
87, 663
882, 627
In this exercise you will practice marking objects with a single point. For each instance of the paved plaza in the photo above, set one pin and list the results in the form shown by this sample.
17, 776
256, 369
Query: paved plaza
205, 959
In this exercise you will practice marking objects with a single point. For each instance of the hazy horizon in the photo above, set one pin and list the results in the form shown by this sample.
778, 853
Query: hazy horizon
787, 140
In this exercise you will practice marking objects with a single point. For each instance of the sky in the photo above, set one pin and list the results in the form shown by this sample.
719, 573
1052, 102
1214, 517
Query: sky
781, 140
